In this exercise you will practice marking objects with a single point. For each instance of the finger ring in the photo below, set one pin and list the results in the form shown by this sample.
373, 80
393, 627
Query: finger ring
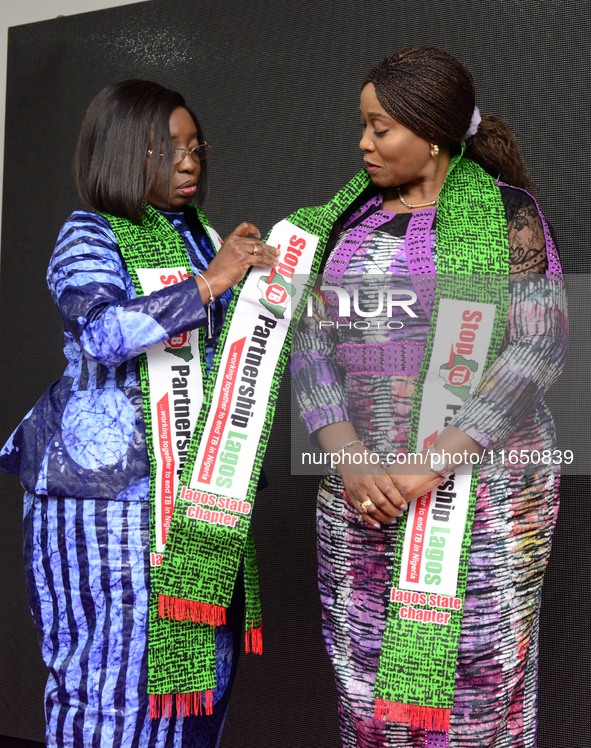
256, 250
366, 504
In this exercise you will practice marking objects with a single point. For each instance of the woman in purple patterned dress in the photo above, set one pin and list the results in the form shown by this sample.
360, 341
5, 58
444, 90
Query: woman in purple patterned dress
81, 451
416, 109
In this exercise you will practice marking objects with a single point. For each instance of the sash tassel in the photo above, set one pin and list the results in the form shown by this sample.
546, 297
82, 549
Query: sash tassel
187, 704
413, 715
253, 639
178, 609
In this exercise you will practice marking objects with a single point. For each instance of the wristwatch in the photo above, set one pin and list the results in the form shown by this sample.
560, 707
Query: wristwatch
444, 471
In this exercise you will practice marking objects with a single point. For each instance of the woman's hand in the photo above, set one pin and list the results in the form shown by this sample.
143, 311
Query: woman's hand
412, 480
374, 497
418, 475
242, 249
368, 487
408, 482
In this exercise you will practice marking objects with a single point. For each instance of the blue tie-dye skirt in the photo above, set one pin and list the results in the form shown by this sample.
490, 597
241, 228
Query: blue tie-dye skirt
88, 579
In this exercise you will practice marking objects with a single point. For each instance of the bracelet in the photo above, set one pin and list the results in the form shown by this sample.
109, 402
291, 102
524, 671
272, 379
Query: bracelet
341, 452
209, 303
211, 296
347, 445
445, 472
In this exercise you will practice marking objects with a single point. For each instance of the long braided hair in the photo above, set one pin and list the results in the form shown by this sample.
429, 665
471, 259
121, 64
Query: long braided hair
431, 93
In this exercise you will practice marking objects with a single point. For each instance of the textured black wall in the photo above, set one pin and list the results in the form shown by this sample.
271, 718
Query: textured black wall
276, 87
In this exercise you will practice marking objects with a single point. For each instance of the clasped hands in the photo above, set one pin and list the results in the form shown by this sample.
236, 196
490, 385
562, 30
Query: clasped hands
381, 492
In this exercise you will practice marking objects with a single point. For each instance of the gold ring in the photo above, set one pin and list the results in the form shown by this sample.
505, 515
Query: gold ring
256, 250
366, 504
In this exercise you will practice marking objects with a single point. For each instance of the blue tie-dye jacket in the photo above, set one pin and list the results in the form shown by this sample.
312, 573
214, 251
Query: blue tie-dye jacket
85, 437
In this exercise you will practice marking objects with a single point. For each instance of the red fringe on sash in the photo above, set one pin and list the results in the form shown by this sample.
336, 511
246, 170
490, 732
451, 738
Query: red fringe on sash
187, 704
253, 639
178, 609
425, 717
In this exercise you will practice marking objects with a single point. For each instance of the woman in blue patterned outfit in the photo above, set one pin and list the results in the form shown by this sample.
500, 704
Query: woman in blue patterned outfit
81, 451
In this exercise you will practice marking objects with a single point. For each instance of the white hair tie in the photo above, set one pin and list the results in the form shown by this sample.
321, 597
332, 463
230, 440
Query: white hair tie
474, 122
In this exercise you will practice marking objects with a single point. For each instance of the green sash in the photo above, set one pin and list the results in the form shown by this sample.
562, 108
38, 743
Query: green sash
193, 587
415, 681
207, 539
156, 244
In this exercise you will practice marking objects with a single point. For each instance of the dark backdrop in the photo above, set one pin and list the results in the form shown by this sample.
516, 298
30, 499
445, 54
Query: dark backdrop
276, 88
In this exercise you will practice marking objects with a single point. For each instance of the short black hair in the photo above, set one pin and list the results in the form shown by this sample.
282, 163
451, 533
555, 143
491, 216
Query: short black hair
110, 164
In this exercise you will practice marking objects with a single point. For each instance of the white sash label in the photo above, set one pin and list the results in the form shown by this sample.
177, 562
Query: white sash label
176, 395
216, 239
253, 345
436, 521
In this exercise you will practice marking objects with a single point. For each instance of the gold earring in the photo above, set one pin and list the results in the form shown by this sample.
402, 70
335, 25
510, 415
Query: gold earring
434, 151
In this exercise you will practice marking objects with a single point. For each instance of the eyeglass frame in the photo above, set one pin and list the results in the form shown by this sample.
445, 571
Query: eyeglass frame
203, 147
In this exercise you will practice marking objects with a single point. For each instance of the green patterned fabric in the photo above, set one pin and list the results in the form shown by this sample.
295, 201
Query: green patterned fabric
201, 561
176, 650
418, 660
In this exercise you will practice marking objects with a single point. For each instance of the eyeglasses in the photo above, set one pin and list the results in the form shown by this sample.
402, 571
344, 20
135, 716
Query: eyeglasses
180, 154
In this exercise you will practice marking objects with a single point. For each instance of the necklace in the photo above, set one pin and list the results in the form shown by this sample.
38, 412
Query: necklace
408, 205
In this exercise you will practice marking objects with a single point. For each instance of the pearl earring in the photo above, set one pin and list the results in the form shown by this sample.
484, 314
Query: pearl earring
434, 151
